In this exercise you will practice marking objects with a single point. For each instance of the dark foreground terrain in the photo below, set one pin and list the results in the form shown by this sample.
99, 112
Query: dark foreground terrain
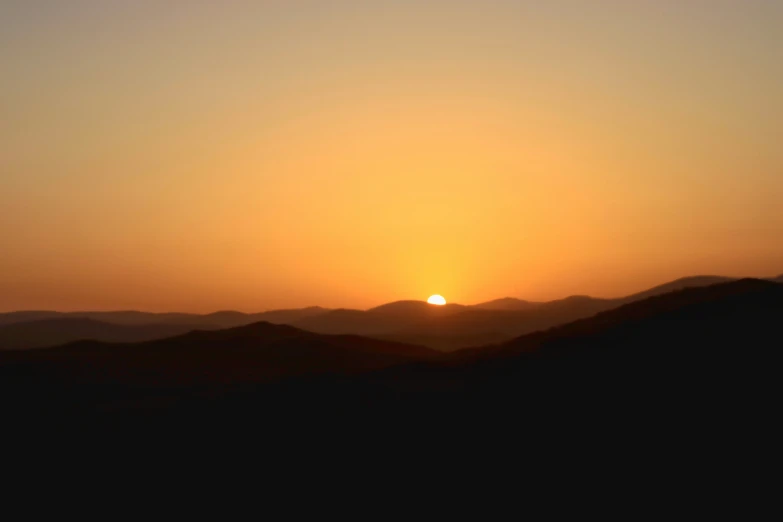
699, 366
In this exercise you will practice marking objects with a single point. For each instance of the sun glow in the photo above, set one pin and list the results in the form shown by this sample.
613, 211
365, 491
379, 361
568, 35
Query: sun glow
436, 300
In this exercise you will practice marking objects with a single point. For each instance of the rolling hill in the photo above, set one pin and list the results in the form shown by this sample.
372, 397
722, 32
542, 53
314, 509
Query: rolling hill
224, 319
452, 326
679, 284
457, 327
691, 363
699, 351
448, 328
708, 316
507, 304
52, 332
89, 374
382, 320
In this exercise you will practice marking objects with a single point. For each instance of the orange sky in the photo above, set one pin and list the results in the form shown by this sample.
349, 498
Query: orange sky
198, 156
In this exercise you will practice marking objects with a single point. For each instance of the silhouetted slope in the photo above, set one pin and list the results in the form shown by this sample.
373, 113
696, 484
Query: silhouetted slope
686, 360
383, 320
679, 284
445, 341
506, 304
745, 307
454, 327
233, 319
89, 374
445, 328
474, 327
289, 316
701, 351
574, 307
695, 362
415, 309
52, 332
224, 319
27, 316
141, 318
344, 321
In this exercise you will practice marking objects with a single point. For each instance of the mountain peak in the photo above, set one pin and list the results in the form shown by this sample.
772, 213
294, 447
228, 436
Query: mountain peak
505, 303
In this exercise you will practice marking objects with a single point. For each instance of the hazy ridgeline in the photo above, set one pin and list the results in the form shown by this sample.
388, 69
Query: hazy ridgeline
445, 328
652, 359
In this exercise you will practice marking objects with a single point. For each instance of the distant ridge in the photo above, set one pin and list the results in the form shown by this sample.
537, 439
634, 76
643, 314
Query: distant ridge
221, 319
667, 362
415, 308
506, 303
447, 328
253, 353
747, 309
678, 284
707, 297
51, 332
712, 350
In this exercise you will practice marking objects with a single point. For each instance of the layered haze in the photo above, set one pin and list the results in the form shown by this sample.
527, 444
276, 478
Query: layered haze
200, 156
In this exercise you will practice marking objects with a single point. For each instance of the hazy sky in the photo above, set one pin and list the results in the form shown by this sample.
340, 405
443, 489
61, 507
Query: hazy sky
203, 155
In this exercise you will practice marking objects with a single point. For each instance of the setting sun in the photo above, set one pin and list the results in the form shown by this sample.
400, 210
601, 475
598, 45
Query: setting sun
436, 300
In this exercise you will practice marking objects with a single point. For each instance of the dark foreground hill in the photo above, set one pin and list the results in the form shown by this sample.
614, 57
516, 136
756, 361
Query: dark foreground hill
92, 377
668, 363
677, 392
699, 363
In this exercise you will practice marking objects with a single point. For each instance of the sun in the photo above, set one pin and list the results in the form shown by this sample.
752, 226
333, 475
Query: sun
436, 300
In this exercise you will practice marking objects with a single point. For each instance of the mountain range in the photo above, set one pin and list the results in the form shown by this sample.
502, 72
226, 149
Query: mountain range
709, 350
446, 328
224, 319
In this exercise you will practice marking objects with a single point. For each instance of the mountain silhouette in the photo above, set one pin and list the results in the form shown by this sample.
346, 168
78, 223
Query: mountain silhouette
474, 327
452, 326
288, 316
41, 329
446, 328
457, 327
750, 307
712, 348
679, 284
382, 320
700, 362
91, 374
223, 319
652, 360
506, 304
28, 316
51, 332
415, 309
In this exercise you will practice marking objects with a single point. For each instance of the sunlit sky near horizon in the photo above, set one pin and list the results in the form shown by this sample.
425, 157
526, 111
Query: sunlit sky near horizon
205, 155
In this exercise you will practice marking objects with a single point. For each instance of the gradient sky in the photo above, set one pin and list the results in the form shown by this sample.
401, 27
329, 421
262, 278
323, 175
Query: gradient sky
204, 155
